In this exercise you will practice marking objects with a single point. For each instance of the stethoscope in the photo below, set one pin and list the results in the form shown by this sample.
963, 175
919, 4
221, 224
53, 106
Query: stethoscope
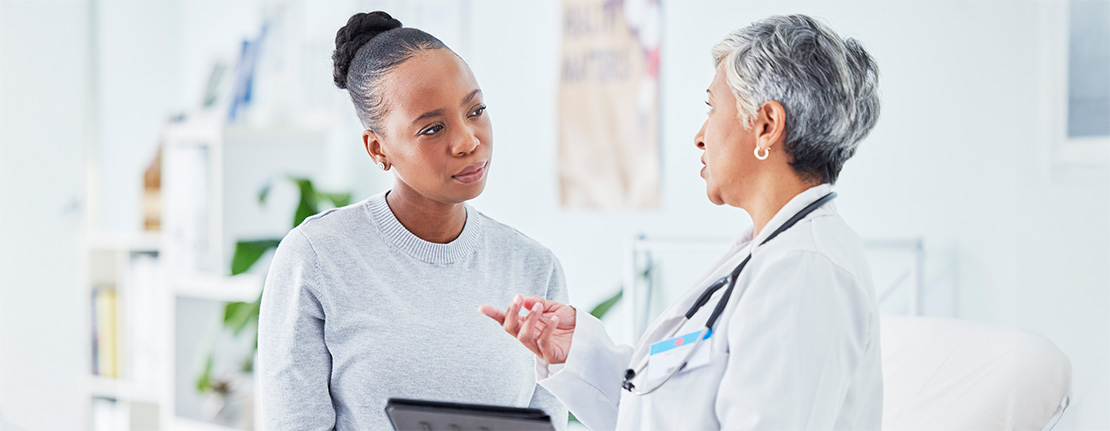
729, 280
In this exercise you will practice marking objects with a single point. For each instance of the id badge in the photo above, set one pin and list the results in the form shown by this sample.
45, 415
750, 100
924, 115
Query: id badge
667, 355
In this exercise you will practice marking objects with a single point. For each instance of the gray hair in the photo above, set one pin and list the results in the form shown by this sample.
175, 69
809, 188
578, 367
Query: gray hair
828, 87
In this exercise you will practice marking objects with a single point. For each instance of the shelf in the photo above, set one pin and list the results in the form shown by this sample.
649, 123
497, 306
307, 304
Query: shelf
243, 287
186, 424
120, 390
136, 242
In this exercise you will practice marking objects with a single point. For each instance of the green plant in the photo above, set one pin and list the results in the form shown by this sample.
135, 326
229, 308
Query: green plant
239, 316
602, 308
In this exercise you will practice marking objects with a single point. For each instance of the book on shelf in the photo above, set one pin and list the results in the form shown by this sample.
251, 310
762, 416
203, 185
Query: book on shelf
125, 324
141, 314
105, 331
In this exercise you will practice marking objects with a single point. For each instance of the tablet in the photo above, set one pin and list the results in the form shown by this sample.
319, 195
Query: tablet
407, 415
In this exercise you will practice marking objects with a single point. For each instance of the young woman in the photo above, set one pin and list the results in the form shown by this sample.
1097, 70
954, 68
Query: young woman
376, 300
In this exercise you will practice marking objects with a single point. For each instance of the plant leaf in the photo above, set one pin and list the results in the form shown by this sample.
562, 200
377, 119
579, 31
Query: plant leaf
262, 194
604, 307
237, 315
309, 202
337, 199
248, 252
204, 381
231, 310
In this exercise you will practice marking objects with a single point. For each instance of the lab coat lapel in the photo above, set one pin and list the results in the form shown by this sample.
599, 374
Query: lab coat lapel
673, 315
739, 249
787, 211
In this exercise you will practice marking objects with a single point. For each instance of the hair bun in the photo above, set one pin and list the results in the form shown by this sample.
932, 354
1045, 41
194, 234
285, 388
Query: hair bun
359, 29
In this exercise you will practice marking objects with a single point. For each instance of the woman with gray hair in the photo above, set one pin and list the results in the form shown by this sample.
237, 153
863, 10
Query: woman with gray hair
783, 331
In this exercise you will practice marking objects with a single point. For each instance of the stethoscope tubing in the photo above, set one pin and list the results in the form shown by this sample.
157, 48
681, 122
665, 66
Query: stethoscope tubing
703, 299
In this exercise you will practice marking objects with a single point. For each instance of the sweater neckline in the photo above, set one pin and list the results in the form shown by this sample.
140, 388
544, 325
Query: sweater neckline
425, 251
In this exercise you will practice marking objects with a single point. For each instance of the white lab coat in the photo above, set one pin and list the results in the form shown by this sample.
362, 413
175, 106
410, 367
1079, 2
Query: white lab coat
796, 348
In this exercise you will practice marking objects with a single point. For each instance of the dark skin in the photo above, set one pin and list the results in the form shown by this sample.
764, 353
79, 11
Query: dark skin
437, 139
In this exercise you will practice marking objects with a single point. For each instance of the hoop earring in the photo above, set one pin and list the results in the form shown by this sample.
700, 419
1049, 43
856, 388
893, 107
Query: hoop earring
766, 154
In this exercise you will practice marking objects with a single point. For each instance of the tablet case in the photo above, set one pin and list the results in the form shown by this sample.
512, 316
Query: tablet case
407, 414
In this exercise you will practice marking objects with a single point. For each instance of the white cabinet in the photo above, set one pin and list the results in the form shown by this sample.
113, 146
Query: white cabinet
211, 181
127, 297
156, 300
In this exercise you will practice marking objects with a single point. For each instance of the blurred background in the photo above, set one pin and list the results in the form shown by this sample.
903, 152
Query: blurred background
136, 138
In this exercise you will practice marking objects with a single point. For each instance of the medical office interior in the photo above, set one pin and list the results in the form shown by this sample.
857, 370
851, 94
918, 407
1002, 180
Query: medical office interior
136, 138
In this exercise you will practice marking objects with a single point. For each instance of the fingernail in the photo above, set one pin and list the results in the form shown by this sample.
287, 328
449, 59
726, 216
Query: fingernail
555, 320
517, 298
538, 307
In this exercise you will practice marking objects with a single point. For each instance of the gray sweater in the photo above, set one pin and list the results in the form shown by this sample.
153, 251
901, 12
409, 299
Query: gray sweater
356, 310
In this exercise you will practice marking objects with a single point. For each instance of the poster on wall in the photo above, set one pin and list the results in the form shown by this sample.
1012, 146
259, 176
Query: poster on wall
609, 104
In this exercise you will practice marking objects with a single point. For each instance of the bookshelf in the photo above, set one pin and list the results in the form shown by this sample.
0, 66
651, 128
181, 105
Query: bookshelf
155, 299
239, 288
122, 279
117, 389
212, 169
212, 178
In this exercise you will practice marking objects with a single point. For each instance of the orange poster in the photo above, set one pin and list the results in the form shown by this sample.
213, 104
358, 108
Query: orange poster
609, 104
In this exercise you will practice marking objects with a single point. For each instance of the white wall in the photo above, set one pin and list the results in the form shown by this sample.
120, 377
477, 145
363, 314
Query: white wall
139, 86
2, 206
42, 131
958, 158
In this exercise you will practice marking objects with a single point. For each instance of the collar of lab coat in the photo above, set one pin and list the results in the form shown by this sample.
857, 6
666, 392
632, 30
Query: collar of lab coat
737, 251
800, 201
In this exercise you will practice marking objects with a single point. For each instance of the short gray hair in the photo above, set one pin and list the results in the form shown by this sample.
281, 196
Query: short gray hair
828, 87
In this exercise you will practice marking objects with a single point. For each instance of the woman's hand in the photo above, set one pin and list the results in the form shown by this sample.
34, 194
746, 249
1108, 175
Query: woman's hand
546, 330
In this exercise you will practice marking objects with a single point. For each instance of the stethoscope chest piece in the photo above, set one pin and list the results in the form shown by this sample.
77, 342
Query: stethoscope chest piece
629, 374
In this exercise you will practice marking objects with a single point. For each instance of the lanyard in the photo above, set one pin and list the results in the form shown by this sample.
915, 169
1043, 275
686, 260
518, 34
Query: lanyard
730, 281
